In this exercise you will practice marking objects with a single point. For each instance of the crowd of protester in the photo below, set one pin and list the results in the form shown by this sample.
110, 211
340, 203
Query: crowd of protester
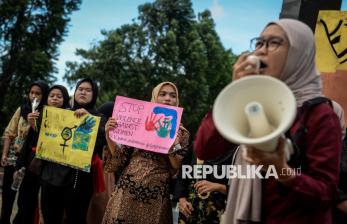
143, 187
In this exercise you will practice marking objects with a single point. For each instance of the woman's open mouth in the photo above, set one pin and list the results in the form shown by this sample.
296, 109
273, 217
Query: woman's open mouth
262, 64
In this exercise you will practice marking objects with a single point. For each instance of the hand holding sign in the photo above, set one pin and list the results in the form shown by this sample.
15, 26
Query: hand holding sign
145, 125
111, 123
66, 139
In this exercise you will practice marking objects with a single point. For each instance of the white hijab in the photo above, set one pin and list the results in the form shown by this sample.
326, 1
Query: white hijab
302, 77
300, 72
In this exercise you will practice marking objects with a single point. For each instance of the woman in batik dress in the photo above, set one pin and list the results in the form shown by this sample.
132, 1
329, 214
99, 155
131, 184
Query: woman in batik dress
142, 193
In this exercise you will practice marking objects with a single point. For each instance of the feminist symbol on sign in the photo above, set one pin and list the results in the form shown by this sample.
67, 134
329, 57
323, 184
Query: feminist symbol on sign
66, 134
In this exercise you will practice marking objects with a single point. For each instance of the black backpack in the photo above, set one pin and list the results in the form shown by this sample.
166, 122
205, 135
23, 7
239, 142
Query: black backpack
304, 112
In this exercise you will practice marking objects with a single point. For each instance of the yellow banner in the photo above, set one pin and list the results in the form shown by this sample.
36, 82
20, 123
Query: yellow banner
331, 40
67, 140
331, 57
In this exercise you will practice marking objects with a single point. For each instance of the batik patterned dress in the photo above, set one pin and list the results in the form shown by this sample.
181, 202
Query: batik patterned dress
142, 193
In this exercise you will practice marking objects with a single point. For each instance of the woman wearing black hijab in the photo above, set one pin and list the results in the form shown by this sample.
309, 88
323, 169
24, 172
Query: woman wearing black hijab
14, 137
70, 190
27, 107
29, 190
99, 200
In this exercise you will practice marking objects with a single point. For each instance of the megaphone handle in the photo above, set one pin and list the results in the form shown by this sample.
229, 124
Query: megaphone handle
288, 148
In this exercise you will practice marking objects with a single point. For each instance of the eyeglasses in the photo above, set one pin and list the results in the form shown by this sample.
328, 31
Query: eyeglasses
271, 44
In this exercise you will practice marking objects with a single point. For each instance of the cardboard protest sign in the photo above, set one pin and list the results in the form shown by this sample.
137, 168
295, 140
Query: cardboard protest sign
66, 139
331, 56
145, 125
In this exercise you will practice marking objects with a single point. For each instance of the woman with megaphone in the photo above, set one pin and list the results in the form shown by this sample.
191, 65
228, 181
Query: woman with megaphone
284, 51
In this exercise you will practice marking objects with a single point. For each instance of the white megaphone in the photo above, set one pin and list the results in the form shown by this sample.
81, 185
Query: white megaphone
255, 110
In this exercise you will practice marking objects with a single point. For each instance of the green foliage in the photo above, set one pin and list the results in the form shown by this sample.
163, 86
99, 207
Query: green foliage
166, 43
30, 32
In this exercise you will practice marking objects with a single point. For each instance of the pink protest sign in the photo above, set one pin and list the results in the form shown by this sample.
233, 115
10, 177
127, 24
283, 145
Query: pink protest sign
145, 125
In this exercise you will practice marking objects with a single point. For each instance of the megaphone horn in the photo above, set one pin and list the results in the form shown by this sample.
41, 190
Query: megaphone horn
255, 110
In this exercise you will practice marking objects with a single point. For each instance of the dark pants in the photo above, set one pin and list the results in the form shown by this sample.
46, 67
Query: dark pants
8, 195
28, 198
340, 217
52, 203
73, 200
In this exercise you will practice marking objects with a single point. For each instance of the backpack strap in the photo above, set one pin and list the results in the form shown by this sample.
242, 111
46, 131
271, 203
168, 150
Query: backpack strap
303, 112
315, 101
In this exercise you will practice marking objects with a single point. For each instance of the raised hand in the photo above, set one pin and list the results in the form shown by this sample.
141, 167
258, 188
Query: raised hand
244, 67
87, 125
150, 123
164, 130
82, 134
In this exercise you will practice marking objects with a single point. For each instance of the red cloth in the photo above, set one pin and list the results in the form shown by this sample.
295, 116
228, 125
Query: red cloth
309, 197
37, 215
98, 174
209, 144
